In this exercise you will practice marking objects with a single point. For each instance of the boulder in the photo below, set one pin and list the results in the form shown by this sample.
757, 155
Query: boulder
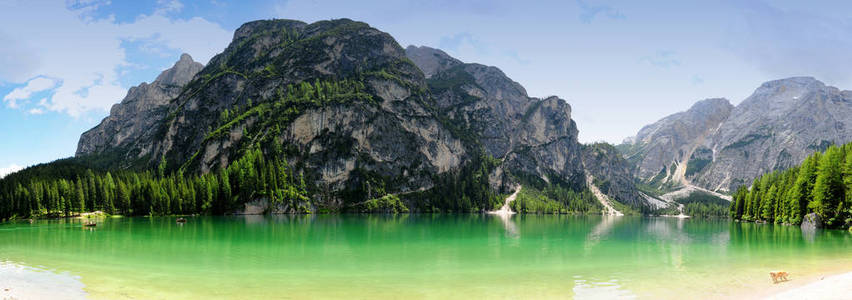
811, 221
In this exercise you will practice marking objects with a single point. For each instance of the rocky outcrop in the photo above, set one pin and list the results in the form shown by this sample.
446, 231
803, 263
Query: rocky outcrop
430, 60
661, 152
611, 174
811, 221
720, 149
142, 109
532, 137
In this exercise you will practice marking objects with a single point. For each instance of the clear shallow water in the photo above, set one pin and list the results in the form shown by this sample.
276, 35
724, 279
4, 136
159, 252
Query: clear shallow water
422, 256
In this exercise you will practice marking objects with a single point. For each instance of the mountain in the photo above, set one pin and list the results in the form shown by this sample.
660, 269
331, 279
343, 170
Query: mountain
430, 60
604, 164
144, 106
357, 117
773, 129
662, 151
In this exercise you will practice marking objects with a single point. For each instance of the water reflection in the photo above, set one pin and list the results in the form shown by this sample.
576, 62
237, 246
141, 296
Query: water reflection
508, 225
600, 231
417, 256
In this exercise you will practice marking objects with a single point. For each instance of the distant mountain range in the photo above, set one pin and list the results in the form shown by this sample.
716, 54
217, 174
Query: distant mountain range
720, 147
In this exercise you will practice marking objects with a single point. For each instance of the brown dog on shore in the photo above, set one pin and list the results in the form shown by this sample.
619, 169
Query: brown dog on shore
779, 276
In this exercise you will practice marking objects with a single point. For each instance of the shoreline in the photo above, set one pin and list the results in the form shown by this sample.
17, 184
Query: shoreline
828, 285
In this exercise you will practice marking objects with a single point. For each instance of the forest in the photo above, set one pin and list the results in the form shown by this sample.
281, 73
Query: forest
71, 186
67, 187
822, 185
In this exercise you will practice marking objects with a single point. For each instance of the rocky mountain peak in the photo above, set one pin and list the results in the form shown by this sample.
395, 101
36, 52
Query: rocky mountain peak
181, 73
255, 27
662, 150
785, 93
430, 60
142, 108
774, 128
793, 82
711, 104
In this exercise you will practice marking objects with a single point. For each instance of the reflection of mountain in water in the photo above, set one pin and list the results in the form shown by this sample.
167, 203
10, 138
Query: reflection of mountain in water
600, 231
509, 225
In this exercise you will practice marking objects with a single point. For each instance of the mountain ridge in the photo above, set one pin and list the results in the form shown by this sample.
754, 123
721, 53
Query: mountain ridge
775, 128
403, 120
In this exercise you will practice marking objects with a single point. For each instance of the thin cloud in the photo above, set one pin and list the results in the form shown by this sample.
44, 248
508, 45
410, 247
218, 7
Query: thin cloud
588, 12
464, 42
662, 59
457, 41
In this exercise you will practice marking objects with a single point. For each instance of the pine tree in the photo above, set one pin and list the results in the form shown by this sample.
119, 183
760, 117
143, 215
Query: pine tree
122, 197
80, 199
801, 191
829, 191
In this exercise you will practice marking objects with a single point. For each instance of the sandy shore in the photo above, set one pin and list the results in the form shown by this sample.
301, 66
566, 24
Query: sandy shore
828, 287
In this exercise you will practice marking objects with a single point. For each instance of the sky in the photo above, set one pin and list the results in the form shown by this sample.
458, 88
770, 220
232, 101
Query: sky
619, 64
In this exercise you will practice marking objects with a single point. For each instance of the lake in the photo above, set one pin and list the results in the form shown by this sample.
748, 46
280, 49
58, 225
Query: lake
417, 256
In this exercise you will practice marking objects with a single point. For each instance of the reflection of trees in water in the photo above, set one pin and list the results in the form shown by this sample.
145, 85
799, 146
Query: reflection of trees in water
752, 235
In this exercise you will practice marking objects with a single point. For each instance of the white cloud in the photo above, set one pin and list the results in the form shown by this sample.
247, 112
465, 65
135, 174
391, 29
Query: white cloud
36, 111
168, 6
9, 170
84, 55
36, 85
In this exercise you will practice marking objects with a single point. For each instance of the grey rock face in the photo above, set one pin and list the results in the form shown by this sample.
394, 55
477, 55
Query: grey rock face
531, 136
775, 128
396, 137
662, 150
613, 174
140, 111
430, 60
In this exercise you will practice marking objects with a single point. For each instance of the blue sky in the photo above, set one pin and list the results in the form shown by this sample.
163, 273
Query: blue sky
620, 64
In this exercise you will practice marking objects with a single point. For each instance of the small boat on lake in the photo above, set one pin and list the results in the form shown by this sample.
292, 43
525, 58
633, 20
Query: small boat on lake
181, 220
92, 224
